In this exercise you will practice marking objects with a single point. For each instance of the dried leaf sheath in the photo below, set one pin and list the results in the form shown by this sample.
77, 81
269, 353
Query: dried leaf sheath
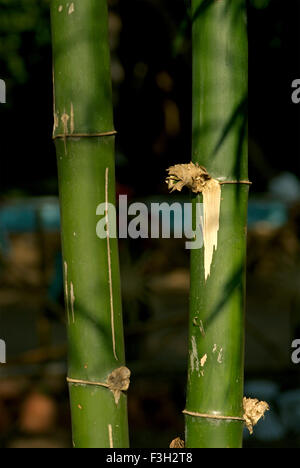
198, 180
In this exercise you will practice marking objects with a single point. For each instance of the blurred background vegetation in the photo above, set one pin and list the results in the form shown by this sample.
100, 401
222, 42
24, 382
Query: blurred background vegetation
151, 73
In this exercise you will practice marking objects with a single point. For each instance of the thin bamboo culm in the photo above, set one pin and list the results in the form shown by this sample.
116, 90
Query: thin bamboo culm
214, 408
84, 137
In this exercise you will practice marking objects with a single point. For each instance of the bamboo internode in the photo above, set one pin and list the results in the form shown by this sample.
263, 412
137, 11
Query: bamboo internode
216, 352
84, 140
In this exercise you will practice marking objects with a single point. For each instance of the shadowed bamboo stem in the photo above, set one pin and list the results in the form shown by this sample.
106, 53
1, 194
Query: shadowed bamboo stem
84, 137
214, 417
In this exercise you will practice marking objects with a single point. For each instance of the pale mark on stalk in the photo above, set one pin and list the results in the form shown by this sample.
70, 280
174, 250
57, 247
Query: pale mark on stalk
220, 356
60, 8
211, 210
203, 360
109, 266
72, 301
67, 290
71, 8
65, 118
110, 434
72, 125
55, 115
194, 356
199, 325
56, 122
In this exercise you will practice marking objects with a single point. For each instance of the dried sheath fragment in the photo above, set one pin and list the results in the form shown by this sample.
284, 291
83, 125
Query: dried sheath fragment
198, 180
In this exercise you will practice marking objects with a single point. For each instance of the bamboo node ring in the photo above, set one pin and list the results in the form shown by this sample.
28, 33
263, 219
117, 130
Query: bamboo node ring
86, 382
254, 410
117, 382
63, 136
213, 416
246, 182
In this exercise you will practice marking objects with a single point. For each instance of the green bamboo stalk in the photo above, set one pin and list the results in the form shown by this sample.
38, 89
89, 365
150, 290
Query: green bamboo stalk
82, 113
216, 330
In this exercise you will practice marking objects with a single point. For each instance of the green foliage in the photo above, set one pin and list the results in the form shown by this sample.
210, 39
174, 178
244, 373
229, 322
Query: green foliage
260, 4
22, 23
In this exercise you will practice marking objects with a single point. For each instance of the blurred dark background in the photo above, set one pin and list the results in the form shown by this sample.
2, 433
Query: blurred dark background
151, 72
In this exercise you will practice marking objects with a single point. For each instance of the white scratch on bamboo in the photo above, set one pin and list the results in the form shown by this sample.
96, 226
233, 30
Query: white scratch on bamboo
109, 266
203, 360
71, 8
55, 115
110, 434
72, 124
72, 297
65, 118
194, 356
220, 356
67, 290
